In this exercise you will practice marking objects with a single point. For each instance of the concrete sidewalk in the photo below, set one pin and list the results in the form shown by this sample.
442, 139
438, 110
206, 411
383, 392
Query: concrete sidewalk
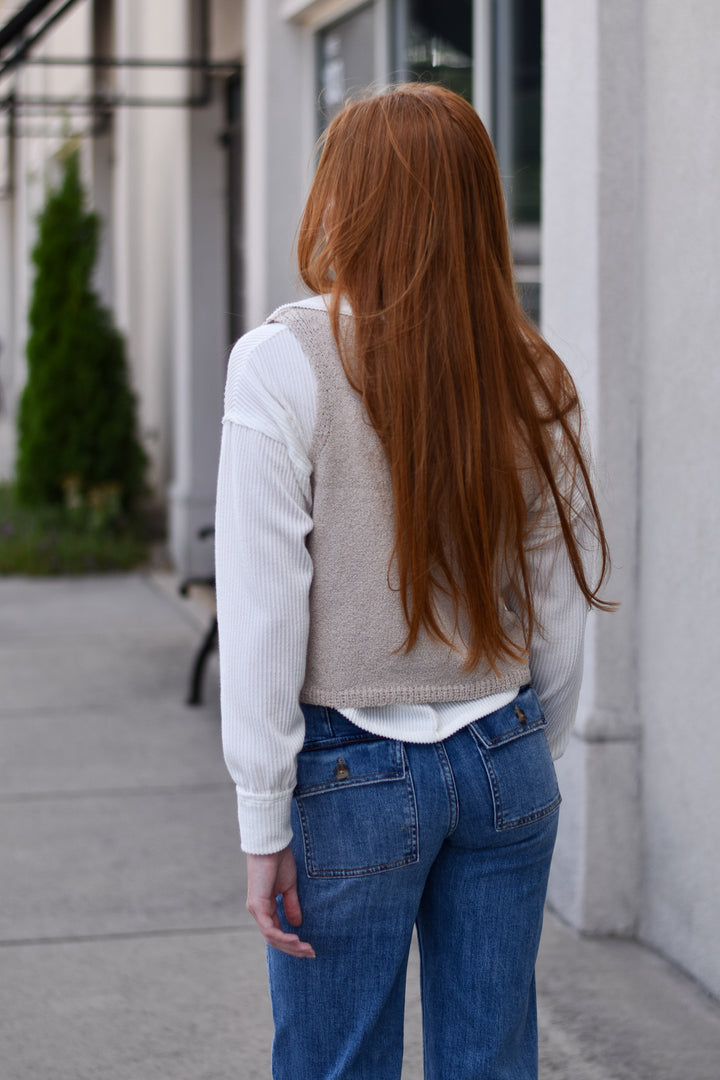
125, 949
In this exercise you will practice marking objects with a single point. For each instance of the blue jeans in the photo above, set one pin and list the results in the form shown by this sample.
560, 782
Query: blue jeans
454, 838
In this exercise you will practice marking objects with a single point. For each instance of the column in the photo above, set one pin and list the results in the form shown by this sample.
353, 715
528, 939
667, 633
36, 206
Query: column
592, 314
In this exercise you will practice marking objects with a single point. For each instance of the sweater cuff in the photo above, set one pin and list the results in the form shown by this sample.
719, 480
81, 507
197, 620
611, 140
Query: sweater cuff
264, 822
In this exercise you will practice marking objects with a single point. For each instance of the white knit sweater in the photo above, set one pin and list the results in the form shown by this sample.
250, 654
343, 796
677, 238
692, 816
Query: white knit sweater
264, 572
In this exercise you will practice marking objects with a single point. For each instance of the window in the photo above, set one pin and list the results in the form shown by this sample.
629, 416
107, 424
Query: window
346, 60
516, 127
433, 41
517, 78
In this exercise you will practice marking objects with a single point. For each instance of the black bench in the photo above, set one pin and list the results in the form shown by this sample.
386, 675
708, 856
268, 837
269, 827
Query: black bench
203, 588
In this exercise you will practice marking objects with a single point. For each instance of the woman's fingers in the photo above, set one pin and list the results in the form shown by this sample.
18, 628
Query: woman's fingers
269, 876
265, 915
292, 906
291, 944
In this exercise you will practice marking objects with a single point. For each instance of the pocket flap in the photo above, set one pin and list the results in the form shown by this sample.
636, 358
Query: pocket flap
520, 717
349, 764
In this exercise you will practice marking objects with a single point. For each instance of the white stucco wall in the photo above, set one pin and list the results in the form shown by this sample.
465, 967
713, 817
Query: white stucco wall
279, 95
201, 340
631, 233
680, 572
281, 131
591, 293
170, 270
150, 165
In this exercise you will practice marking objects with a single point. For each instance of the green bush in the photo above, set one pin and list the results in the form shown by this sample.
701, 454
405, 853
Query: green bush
66, 540
77, 418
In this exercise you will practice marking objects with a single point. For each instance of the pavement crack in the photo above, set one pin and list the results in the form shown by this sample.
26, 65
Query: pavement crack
124, 935
114, 793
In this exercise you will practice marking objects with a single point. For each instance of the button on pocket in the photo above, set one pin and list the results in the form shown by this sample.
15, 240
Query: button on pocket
341, 771
357, 810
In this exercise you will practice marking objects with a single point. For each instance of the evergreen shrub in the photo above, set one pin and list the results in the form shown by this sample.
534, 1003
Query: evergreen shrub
77, 430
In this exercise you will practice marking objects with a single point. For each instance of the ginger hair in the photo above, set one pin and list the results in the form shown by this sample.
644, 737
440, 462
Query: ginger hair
406, 219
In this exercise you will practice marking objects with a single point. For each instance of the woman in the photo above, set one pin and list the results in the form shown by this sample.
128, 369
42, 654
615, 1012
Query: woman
407, 546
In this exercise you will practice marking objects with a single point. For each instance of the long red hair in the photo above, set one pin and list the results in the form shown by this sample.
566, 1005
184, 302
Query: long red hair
478, 416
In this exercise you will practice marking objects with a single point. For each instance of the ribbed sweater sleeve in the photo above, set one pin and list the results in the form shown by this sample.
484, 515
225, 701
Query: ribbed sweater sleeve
263, 573
556, 649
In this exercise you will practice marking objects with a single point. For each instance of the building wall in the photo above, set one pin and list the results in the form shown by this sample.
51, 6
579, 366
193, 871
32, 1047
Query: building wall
680, 511
591, 283
281, 118
279, 130
202, 345
274, 154
150, 148
630, 277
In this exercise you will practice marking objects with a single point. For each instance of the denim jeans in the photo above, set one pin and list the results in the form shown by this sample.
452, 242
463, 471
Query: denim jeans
454, 838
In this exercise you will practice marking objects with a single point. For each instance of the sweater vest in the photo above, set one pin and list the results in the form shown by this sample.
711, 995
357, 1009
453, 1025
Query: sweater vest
355, 655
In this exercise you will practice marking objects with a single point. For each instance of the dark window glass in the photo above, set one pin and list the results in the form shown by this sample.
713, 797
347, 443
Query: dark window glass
517, 26
433, 41
233, 141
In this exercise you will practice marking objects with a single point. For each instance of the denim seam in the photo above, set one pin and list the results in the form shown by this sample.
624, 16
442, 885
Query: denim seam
357, 781
492, 780
325, 741
450, 786
526, 819
410, 783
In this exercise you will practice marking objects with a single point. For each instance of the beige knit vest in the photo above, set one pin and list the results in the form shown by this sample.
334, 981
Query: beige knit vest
357, 628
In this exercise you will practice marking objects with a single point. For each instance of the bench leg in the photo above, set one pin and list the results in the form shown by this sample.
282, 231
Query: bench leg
208, 644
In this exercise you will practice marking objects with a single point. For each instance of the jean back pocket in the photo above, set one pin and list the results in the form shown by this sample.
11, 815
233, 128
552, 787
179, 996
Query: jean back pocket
356, 807
518, 761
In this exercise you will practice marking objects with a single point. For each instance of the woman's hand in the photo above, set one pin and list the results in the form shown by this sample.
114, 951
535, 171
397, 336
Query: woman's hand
268, 876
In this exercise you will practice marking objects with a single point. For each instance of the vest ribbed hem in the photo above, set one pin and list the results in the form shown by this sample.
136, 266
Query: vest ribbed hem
361, 697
